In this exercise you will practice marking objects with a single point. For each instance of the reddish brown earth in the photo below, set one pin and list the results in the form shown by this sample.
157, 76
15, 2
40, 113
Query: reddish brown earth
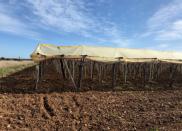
54, 108
92, 111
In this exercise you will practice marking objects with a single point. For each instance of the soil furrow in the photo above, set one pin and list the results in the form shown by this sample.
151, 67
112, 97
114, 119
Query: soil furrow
47, 107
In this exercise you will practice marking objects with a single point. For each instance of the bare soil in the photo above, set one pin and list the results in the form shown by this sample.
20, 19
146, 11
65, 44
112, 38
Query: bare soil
54, 106
92, 111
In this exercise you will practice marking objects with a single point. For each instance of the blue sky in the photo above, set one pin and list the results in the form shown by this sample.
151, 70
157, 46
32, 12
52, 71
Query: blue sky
150, 24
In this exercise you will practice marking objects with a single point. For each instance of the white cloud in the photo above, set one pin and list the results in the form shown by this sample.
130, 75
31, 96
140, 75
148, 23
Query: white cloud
114, 36
160, 46
166, 46
178, 25
11, 24
14, 26
166, 23
163, 45
165, 15
174, 32
64, 15
61, 16
72, 16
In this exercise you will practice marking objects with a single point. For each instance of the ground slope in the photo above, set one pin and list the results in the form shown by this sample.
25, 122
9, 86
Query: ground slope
53, 108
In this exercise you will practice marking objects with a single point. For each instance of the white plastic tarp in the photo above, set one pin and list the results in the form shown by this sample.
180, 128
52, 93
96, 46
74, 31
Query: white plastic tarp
104, 54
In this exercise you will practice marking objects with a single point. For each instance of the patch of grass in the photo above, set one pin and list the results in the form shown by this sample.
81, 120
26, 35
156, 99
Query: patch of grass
153, 129
114, 114
9, 70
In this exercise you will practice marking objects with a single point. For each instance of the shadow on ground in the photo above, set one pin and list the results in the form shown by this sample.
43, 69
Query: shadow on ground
24, 82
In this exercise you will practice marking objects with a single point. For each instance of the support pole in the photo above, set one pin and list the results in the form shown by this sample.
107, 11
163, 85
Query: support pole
144, 74
172, 69
73, 73
113, 75
80, 72
171, 76
62, 69
41, 69
1, 81
158, 71
69, 72
85, 71
92, 70
99, 72
125, 73
104, 72
38, 75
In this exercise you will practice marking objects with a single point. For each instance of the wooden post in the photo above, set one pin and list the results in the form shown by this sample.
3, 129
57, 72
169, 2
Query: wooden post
181, 69
38, 75
42, 68
172, 70
1, 81
80, 72
157, 71
69, 72
125, 73
62, 68
99, 72
92, 70
103, 72
134, 71
170, 76
144, 74
151, 71
113, 75
73, 73
85, 71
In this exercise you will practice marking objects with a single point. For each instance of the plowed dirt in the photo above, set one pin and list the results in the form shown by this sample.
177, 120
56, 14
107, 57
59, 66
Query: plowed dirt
92, 110
53, 108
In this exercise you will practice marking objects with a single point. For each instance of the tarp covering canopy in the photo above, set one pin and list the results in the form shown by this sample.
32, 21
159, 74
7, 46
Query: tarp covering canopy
104, 54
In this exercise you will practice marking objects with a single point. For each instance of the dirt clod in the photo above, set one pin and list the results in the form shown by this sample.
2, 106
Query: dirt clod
54, 106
